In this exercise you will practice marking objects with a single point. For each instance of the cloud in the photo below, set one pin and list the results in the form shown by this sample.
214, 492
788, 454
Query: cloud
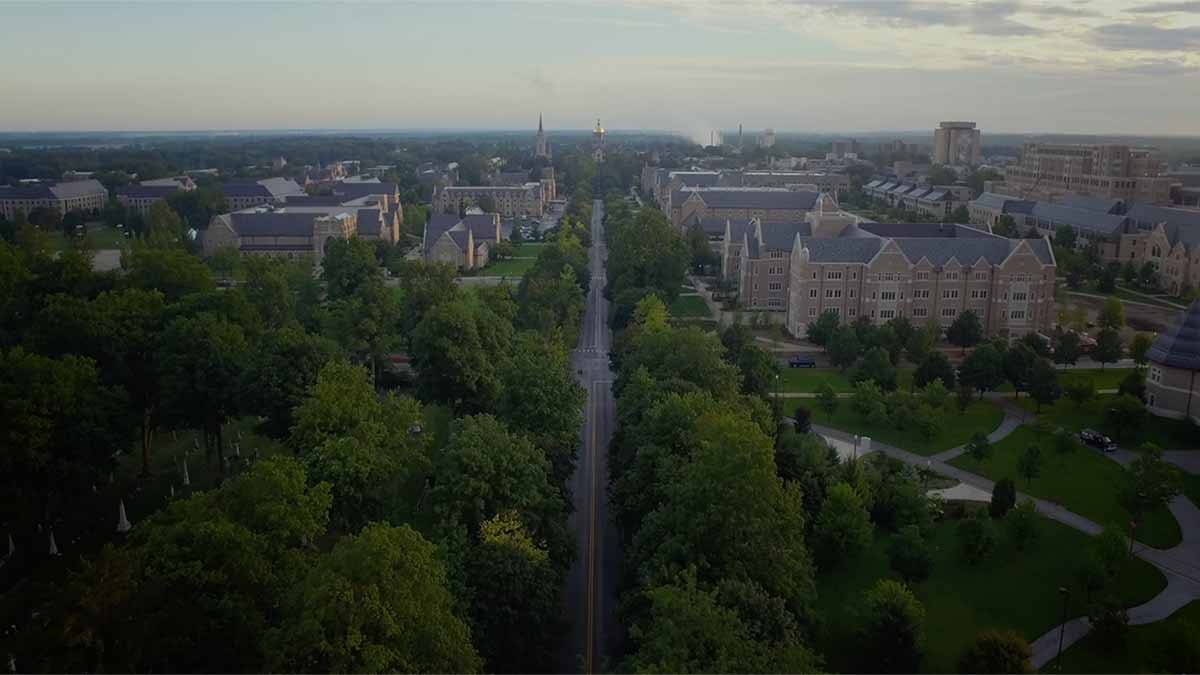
1167, 7
983, 18
1159, 68
1145, 37
1060, 11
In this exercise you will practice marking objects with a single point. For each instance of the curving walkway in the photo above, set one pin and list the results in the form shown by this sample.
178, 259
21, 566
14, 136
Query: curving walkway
1180, 564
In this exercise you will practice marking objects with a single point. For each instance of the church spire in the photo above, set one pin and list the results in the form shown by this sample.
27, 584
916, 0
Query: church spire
539, 123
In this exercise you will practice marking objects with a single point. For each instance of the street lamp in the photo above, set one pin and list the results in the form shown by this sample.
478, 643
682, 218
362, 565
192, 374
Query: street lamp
1062, 629
1132, 531
854, 456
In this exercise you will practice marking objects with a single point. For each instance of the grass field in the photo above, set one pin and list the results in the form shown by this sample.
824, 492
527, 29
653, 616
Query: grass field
808, 380
1163, 432
102, 237
530, 249
957, 429
1082, 481
513, 267
690, 306
1143, 650
1009, 589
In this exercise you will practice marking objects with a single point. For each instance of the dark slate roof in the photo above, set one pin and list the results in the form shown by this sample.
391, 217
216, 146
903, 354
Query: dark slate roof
922, 230
1092, 221
356, 190
875, 183
148, 191
439, 223
739, 229
1090, 203
368, 222
688, 179
1179, 345
712, 226
273, 224
313, 200
758, 199
781, 236
1020, 206
935, 195
966, 251
848, 250
39, 191
1041, 248
245, 189
1145, 213
483, 226
991, 200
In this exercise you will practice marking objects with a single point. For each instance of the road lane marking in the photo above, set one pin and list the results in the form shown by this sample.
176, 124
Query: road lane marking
589, 662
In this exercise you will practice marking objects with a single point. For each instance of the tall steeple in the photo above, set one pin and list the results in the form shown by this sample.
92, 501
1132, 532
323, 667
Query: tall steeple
540, 123
540, 149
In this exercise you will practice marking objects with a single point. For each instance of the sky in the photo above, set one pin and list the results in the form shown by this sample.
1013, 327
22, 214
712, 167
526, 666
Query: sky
1065, 66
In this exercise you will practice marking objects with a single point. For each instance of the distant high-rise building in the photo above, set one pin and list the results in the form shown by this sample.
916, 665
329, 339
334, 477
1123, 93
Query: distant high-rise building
739, 137
843, 147
957, 144
767, 138
1050, 170
541, 148
598, 142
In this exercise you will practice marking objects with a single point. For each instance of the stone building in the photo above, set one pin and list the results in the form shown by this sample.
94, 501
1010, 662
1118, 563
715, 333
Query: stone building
246, 194
464, 242
1173, 379
279, 233
88, 196
957, 144
1048, 171
770, 205
511, 201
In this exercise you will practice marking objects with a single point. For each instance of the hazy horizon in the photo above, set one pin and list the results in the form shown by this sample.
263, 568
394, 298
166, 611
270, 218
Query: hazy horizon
1098, 67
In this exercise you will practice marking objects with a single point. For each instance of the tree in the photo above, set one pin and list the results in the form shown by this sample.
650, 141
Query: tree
1080, 390
1004, 497
843, 527
1124, 414
1023, 524
540, 397
806, 460
1129, 272
909, 555
826, 398
1065, 442
1043, 383
281, 368
966, 331
1133, 384
935, 366
962, 397
983, 369
1151, 482
1112, 315
266, 289
377, 602
1139, 346
1110, 623
876, 366
1066, 347
820, 331
1148, 275
803, 419
515, 604
171, 271
348, 265
1018, 365
935, 395
1064, 236
457, 351
921, 342
843, 347
202, 359
976, 538
1029, 464
162, 225
868, 401
997, 651
891, 629
1006, 226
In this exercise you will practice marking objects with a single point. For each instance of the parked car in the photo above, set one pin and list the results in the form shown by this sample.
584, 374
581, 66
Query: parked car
1097, 440
801, 362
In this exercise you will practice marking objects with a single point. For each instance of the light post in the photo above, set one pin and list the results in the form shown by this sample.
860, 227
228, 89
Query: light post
1062, 629
1132, 531
854, 456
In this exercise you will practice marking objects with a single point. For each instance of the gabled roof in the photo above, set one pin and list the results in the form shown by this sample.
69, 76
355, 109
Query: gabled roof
269, 224
1180, 224
845, 250
779, 236
1092, 221
991, 200
368, 222
148, 191
939, 251
765, 199
1090, 203
923, 230
1179, 345
357, 190
697, 178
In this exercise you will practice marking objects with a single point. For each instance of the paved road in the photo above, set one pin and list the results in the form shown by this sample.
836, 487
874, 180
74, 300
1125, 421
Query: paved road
591, 585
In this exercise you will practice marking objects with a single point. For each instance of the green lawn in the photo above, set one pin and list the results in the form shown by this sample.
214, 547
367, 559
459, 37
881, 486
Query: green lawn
513, 267
690, 306
1082, 481
1142, 651
1009, 589
530, 249
808, 380
1163, 432
981, 416
102, 237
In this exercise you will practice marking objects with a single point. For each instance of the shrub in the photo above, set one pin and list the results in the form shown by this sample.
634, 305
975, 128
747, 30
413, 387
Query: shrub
909, 555
1004, 497
976, 538
997, 651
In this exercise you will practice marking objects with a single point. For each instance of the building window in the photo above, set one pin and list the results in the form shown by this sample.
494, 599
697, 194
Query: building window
887, 313
950, 294
948, 312
950, 276
979, 295
812, 293
775, 286
922, 276
981, 276
814, 276
852, 311
812, 311
836, 310
920, 312
1155, 374
774, 302
1017, 314
833, 292
833, 275
1020, 296
921, 293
